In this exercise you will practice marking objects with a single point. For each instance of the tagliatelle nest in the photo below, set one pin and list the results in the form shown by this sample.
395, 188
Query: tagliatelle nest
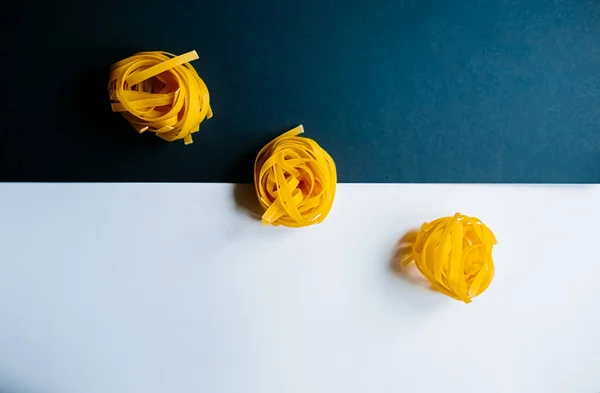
161, 93
295, 180
455, 255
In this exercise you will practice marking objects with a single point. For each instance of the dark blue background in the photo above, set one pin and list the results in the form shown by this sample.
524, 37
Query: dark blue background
396, 91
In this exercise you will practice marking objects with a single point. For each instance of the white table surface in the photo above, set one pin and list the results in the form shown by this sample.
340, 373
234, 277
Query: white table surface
174, 288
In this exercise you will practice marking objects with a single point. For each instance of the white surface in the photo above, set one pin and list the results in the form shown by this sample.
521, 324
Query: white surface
172, 288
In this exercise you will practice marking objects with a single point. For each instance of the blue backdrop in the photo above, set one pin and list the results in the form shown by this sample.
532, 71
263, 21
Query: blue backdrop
396, 91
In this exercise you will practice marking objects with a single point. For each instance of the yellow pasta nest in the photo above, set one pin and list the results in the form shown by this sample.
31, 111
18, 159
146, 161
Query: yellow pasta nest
161, 93
295, 180
455, 255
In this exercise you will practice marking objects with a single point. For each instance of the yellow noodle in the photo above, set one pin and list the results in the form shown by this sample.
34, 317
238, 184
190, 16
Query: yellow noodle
161, 93
455, 255
295, 180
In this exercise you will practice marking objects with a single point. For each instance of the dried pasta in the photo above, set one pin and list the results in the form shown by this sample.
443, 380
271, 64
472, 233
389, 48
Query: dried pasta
161, 93
295, 180
455, 255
